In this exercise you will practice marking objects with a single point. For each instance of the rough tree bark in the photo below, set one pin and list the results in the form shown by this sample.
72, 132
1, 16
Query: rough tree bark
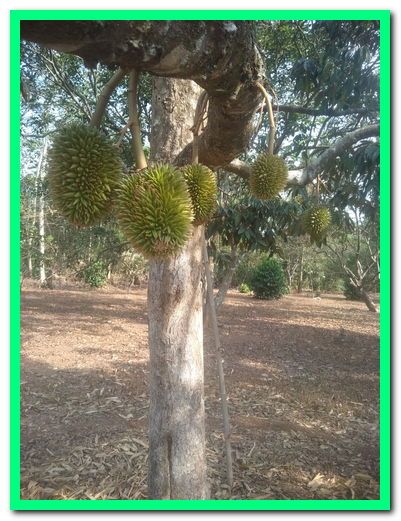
176, 430
221, 56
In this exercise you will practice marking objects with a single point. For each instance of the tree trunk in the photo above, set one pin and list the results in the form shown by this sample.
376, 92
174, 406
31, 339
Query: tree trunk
364, 295
368, 301
289, 277
301, 271
228, 277
42, 270
41, 216
32, 229
30, 266
177, 460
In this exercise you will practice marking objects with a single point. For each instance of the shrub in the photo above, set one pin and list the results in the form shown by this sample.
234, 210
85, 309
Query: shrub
244, 288
95, 274
268, 279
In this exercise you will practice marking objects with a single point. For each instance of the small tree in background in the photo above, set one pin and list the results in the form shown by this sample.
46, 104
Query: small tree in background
268, 280
95, 274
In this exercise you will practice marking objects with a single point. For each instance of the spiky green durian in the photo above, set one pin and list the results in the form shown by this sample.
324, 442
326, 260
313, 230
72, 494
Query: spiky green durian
154, 210
268, 177
202, 188
84, 171
316, 222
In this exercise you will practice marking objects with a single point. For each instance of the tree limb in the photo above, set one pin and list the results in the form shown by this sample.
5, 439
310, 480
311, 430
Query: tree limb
221, 56
308, 174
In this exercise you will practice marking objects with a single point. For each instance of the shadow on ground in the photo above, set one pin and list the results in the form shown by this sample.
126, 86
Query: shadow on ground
302, 379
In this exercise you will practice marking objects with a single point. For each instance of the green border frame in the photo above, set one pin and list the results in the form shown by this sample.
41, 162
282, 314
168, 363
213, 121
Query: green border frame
16, 503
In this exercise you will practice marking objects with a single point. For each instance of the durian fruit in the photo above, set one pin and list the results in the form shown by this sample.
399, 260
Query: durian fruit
316, 222
268, 177
202, 187
84, 171
154, 210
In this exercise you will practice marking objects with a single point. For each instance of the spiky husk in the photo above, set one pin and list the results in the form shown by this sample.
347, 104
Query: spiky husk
154, 211
268, 177
317, 221
84, 172
202, 188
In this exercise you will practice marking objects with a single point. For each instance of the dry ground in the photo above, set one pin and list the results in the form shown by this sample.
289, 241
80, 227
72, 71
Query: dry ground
302, 379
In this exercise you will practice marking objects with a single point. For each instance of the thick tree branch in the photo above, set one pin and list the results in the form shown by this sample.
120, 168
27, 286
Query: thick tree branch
220, 56
308, 174
240, 168
329, 155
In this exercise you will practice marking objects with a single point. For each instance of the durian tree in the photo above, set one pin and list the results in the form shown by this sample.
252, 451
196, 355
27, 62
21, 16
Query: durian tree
221, 58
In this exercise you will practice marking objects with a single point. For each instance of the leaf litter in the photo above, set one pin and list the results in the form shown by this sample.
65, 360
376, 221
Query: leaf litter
302, 380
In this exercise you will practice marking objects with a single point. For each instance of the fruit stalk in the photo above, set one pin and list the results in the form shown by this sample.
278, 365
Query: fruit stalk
272, 123
104, 97
136, 143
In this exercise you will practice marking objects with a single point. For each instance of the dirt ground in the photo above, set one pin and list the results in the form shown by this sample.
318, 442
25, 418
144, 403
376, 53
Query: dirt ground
302, 379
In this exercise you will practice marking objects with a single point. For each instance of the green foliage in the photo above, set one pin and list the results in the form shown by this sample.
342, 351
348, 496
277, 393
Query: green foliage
84, 172
95, 274
268, 177
71, 246
252, 224
154, 211
268, 279
338, 69
244, 288
332, 68
202, 187
358, 185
